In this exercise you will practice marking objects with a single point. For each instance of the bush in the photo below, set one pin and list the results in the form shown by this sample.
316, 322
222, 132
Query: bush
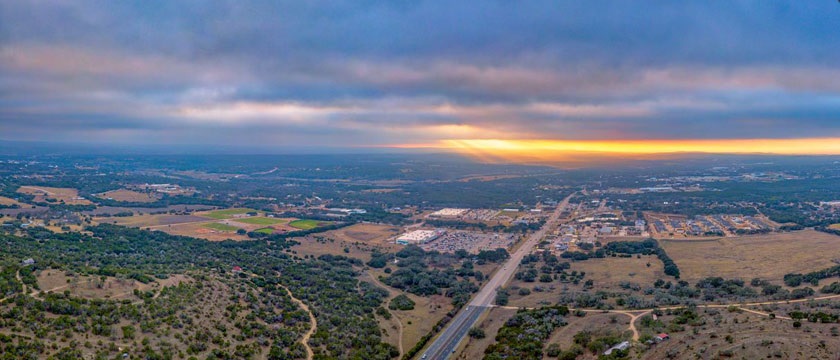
401, 302
477, 333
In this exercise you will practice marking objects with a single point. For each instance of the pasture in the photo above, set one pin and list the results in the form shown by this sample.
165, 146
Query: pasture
220, 226
96, 287
260, 220
607, 273
769, 256
129, 196
146, 220
307, 224
267, 231
358, 239
8, 202
202, 231
226, 213
67, 196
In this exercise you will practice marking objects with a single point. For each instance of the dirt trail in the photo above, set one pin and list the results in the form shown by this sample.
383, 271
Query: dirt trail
312, 328
25, 289
391, 294
636, 314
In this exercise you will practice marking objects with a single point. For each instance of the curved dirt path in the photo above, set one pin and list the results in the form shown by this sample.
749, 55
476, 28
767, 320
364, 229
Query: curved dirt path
392, 294
636, 314
312, 327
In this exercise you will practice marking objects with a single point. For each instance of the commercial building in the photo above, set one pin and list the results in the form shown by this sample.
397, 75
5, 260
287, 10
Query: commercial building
449, 212
419, 236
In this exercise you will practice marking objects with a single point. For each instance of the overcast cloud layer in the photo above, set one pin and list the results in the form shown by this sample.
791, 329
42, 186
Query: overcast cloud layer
360, 73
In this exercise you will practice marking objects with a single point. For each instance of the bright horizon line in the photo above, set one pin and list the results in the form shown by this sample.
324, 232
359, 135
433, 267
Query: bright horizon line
549, 149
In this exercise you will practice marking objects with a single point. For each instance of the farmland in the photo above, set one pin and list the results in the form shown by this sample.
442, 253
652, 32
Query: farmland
307, 224
129, 196
267, 231
226, 213
220, 226
261, 220
147, 220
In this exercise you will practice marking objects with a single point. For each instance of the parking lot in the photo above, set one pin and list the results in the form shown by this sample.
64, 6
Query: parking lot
471, 241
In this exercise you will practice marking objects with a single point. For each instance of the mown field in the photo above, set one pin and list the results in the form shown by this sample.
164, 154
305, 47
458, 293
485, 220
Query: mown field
261, 221
307, 224
226, 213
221, 227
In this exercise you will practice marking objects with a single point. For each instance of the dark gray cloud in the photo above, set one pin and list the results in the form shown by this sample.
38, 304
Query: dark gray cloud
372, 73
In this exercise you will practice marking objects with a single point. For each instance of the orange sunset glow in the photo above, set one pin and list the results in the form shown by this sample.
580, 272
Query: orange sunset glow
549, 150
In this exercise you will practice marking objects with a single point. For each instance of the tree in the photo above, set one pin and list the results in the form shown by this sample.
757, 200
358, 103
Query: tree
477, 333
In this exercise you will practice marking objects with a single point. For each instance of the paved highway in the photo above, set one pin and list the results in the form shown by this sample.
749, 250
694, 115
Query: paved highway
452, 335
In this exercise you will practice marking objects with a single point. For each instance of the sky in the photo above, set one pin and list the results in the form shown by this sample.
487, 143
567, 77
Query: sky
538, 76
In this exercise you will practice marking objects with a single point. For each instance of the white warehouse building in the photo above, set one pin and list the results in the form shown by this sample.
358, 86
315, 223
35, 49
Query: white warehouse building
419, 236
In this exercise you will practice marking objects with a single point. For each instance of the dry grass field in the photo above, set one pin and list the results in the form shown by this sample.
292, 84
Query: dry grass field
201, 231
607, 273
766, 256
152, 221
94, 287
371, 234
7, 201
415, 323
745, 335
129, 196
358, 239
490, 322
68, 196
418, 322
596, 323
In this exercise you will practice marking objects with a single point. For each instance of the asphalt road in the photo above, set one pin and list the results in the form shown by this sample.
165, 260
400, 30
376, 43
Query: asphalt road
448, 341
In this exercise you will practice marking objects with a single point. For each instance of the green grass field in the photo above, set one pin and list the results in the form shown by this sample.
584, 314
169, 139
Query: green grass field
260, 220
221, 227
305, 224
267, 231
227, 213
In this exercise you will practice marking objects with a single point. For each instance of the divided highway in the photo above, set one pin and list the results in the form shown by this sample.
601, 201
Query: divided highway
458, 327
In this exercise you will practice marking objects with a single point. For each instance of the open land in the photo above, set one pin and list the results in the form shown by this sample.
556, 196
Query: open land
307, 224
8, 201
226, 213
147, 220
607, 274
220, 226
129, 196
766, 256
261, 220
67, 196
359, 239
97, 287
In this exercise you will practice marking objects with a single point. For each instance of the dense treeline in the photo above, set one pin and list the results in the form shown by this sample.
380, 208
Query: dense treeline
431, 273
346, 328
812, 278
627, 248
645, 247
523, 335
